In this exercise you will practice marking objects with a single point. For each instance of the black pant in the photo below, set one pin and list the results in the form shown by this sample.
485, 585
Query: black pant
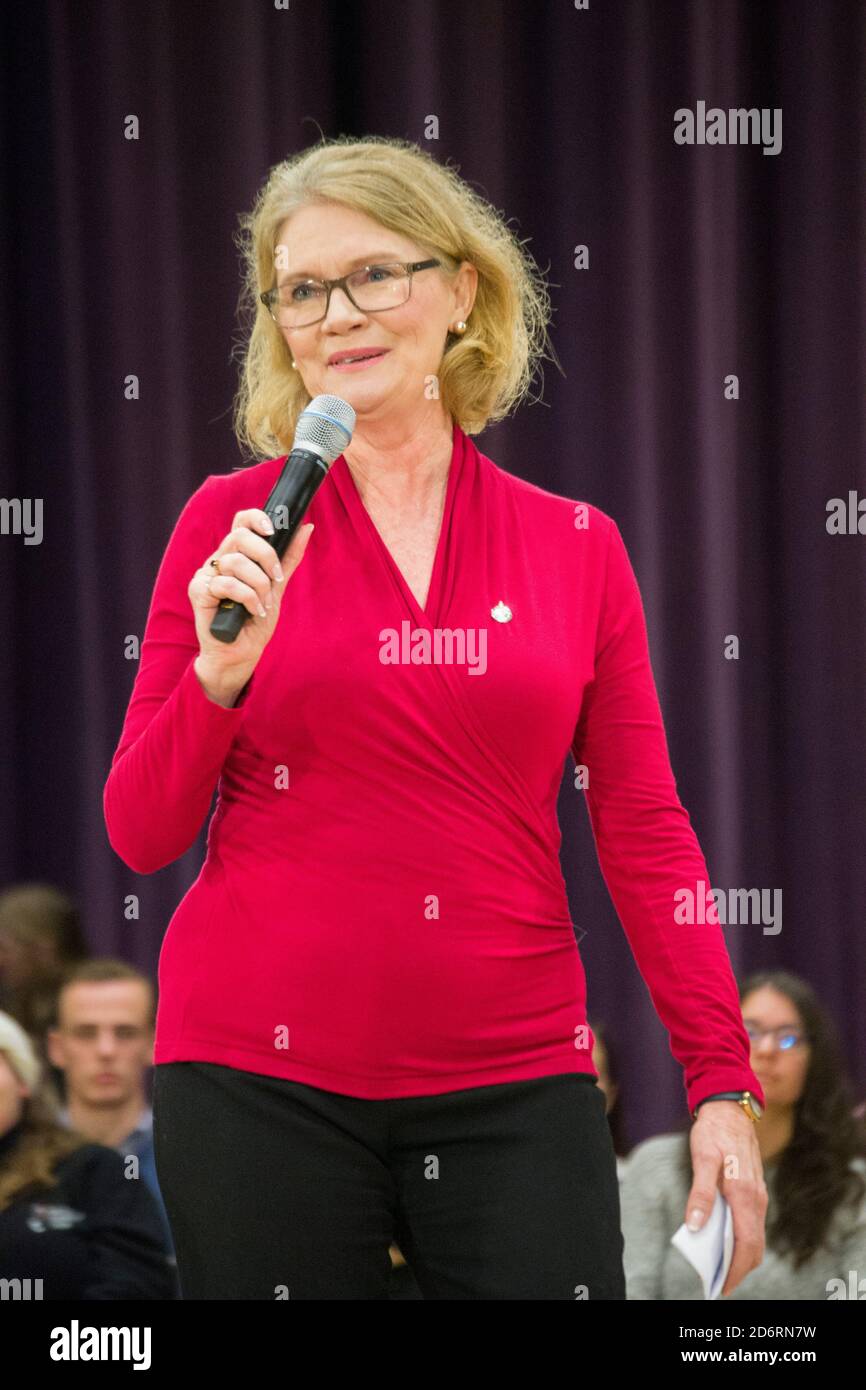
275, 1189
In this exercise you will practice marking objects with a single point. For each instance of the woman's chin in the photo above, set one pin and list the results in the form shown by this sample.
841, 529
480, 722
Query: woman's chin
360, 394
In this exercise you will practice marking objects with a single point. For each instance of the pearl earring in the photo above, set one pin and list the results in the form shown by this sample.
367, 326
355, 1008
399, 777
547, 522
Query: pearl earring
459, 327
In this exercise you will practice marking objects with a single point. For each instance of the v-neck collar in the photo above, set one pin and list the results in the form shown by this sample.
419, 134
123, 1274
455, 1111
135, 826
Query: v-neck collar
348, 489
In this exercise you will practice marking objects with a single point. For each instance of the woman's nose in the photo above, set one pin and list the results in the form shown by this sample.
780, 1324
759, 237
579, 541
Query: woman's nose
341, 307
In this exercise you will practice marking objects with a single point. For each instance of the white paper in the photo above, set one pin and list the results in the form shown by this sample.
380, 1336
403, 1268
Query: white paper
711, 1249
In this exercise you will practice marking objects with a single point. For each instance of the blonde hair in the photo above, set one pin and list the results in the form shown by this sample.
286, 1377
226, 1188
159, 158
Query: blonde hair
31, 1164
484, 373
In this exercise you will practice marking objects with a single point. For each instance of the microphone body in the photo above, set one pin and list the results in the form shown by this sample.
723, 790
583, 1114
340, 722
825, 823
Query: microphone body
291, 495
324, 430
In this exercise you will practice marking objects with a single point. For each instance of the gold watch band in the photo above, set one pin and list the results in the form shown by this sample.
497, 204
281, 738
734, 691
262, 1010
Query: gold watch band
743, 1099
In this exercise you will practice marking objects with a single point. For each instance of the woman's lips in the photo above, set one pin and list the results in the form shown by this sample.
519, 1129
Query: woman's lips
360, 365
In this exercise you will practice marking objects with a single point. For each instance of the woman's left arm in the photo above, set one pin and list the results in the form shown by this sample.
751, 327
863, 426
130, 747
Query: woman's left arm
653, 866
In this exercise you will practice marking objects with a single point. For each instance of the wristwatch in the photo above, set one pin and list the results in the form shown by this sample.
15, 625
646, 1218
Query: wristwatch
752, 1106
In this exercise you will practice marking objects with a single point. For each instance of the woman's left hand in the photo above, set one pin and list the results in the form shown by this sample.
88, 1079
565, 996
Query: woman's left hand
726, 1157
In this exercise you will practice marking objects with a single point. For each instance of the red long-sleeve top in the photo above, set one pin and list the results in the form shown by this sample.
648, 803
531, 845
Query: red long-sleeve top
381, 911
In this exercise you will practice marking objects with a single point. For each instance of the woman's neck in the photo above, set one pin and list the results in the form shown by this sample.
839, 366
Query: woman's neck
401, 471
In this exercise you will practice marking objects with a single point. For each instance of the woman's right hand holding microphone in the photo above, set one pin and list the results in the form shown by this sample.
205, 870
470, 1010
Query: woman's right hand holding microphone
250, 572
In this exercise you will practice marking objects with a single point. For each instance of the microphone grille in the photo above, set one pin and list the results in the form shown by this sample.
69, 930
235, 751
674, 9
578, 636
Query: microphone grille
325, 427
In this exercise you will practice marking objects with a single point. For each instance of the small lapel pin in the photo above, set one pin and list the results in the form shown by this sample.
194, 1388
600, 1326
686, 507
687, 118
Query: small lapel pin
501, 612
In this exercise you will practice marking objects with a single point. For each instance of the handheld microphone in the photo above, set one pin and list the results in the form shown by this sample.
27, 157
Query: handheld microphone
323, 431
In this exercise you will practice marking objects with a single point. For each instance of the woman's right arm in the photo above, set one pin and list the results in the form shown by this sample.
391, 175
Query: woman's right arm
187, 700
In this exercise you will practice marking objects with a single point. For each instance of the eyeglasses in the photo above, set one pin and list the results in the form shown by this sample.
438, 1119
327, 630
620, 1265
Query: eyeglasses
372, 289
785, 1038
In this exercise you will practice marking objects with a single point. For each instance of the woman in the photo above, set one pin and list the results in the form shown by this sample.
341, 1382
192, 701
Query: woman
372, 1020
73, 1225
814, 1155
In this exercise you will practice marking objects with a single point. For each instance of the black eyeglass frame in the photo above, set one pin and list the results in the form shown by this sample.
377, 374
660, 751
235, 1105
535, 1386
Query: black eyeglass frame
268, 296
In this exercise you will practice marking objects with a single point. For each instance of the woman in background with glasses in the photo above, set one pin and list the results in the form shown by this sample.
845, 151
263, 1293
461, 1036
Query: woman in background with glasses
372, 1020
813, 1149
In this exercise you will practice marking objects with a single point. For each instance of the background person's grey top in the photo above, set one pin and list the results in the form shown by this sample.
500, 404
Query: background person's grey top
652, 1200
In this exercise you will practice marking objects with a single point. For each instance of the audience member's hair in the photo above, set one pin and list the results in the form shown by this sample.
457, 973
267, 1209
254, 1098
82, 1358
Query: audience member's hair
29, 1165
41, 912
105, 968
